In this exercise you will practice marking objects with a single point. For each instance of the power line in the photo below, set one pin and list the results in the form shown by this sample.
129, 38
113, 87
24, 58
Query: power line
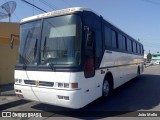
33, 5
16, 17
67, 3
49, 4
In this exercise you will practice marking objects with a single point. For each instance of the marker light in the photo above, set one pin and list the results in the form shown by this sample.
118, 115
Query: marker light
60, 85
74, 85
18, 81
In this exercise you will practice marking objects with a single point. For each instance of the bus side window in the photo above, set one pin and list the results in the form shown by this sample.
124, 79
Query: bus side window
134, 47
107, 37
129, 45
120, 42
138, 48
114, 39
124, 43
142, 50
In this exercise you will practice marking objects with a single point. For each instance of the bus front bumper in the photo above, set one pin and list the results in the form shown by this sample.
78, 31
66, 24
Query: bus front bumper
58, 97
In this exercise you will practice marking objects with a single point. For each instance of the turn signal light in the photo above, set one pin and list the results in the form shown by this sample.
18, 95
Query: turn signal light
74, 85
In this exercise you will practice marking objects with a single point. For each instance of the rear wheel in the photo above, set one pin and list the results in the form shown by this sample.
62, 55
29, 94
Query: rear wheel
138, 73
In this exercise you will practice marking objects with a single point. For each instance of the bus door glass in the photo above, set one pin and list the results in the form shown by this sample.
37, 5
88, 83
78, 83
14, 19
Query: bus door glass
89, 67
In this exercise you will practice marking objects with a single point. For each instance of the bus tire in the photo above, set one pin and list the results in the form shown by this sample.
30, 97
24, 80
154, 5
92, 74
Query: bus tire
106, 89
138, 73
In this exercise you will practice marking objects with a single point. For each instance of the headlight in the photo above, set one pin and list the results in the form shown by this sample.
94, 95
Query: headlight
60, 85
18, 81
63, 85
67, 85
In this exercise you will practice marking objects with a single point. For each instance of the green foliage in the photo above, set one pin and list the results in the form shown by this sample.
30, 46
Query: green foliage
149, 57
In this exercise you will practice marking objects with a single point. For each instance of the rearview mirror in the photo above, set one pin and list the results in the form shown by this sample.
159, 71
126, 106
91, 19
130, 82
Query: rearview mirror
89, 37
12, 40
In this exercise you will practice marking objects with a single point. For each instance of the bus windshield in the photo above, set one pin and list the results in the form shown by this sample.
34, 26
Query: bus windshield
55, 41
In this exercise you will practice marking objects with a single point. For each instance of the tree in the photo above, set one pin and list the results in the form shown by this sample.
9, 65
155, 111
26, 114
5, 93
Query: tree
149, 57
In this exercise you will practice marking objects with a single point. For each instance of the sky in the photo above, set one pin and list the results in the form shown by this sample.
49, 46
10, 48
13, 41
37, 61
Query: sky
138, 18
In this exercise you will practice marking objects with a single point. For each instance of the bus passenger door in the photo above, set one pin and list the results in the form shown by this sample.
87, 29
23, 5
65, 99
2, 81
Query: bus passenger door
92, 53
89, 66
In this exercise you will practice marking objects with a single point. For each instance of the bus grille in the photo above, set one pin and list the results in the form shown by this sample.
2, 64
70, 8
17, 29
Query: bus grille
41, 83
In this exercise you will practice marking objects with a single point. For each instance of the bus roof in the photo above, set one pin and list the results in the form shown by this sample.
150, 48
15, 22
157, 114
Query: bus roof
57, 13
63, 12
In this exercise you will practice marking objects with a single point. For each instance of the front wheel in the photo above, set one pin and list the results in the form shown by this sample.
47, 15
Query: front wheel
106, 89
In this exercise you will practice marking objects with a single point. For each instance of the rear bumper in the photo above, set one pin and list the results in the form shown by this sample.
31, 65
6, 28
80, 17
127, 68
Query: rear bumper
51, 96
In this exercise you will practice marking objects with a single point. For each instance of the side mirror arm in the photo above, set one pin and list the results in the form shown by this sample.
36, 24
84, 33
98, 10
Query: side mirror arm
12, 40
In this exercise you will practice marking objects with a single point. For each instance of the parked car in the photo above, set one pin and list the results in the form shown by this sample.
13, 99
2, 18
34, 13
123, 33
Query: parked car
148, 63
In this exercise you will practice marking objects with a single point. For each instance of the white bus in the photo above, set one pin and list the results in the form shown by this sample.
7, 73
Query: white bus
73, 56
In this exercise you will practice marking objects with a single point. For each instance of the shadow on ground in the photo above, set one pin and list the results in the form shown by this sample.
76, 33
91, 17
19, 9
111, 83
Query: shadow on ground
12, 104
138, 94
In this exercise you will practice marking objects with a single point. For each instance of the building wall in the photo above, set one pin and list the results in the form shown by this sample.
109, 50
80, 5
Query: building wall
156, 58
8, 56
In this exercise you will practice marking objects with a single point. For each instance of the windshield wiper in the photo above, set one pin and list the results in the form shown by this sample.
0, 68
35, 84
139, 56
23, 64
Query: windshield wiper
52, 66
24, 51
35, 48
44, 46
